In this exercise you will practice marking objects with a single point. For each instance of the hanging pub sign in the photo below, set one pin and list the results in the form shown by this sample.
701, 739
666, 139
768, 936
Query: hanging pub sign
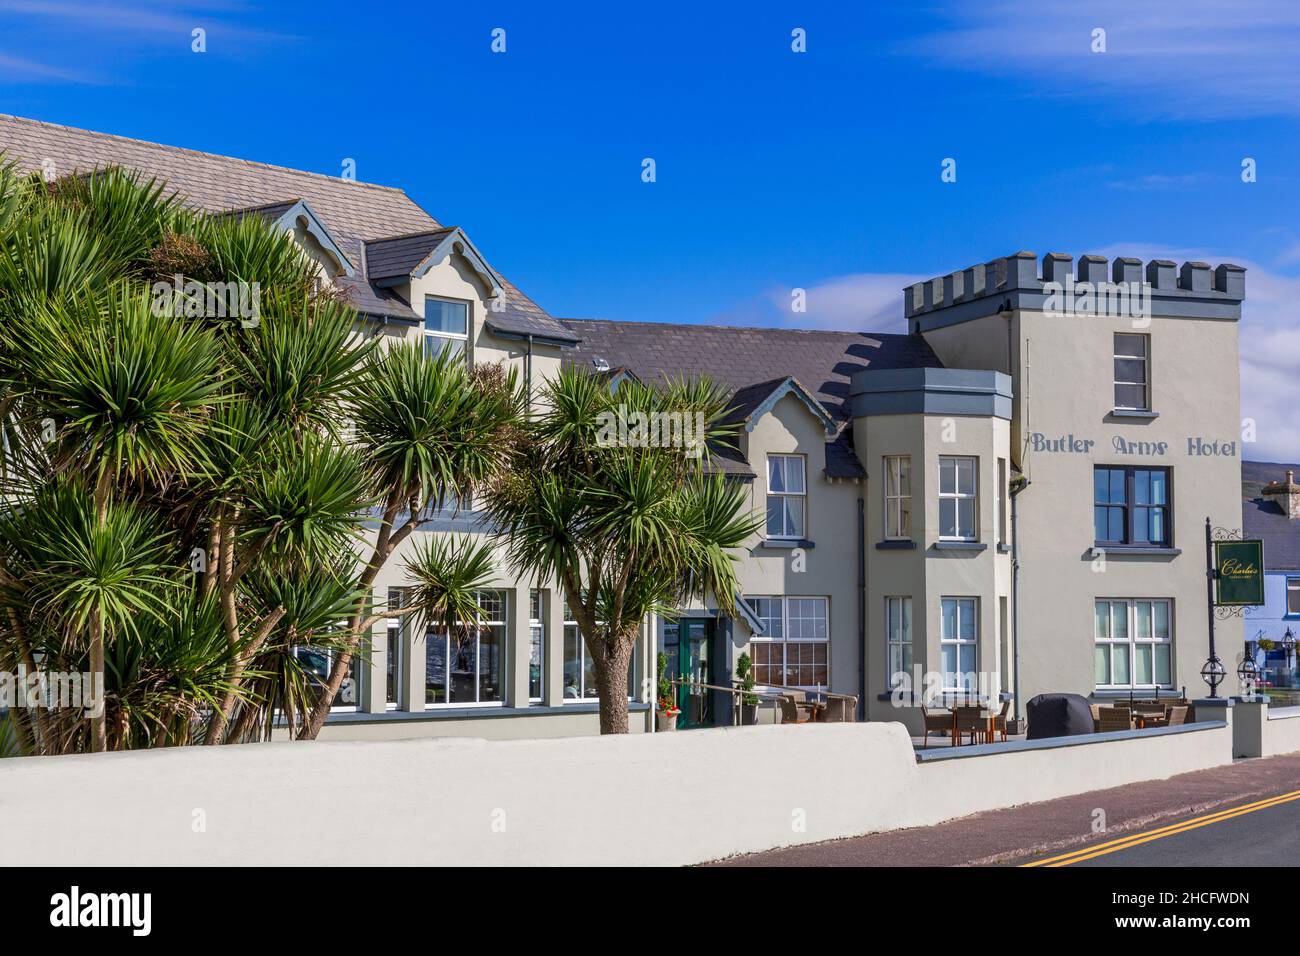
1239, 572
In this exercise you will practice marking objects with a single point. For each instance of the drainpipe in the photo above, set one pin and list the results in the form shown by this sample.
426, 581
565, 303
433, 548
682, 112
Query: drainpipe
528, 373
862, 611
1015, 592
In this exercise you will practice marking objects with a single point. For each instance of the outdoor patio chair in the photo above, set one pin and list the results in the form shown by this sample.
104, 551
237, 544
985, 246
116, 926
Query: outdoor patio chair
936, 722
791, 712
836, 710
1114, 718
1178, 715
971, 720
1000, 721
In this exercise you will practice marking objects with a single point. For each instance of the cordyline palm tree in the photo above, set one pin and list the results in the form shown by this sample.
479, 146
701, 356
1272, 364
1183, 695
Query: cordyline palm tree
627, 529
181, 510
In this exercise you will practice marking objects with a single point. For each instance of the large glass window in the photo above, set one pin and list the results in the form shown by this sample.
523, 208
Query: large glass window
464, 667
1293, 597
580, 669
898, 628
794, 649
393, 677
957, 498
959, 642
446, 325
537, 644
898, 497
1132, 371
786, 494
1133, 643
1131, 506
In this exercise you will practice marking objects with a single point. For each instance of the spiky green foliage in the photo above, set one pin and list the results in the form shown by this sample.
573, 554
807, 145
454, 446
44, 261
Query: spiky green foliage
627, 528
179, 500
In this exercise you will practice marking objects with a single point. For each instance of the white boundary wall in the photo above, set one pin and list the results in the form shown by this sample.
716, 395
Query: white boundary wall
657, 799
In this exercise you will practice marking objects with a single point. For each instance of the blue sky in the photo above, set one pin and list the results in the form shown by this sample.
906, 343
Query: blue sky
775, 169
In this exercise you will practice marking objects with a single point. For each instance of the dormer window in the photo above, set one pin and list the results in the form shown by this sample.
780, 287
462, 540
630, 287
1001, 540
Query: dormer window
785, 496
446, 326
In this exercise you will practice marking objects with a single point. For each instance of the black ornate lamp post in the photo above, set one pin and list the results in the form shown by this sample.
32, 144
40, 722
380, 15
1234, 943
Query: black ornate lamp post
1248, 672
1213, 671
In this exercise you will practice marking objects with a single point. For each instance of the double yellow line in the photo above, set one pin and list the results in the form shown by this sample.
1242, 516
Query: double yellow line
1136, 839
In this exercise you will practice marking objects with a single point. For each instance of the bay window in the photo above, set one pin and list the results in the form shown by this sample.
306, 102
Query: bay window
898, 497
959, 642
898, 630
957, 497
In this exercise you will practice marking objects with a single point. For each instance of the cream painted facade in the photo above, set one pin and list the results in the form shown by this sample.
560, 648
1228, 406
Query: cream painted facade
1026, 396
1023, 395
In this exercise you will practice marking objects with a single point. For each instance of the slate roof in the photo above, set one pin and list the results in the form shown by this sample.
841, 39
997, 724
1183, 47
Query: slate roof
373, 300
745, 360
397, 257
272, 211
353, 212
1262, 517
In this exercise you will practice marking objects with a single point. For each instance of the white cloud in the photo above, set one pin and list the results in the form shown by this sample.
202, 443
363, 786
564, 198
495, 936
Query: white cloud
1194, 58
867, 302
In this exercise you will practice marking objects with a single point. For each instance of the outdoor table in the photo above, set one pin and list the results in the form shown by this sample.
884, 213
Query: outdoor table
989, 732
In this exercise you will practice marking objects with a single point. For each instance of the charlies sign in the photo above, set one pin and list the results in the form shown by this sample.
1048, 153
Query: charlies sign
1239, 572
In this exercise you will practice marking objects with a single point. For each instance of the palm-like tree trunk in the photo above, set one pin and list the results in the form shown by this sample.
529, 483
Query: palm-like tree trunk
611, 684
98, 722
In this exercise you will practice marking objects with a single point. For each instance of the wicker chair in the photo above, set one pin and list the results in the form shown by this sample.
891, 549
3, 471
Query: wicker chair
1000, 721
971, 720
1114, 718
936, 722
837, 710
791, 712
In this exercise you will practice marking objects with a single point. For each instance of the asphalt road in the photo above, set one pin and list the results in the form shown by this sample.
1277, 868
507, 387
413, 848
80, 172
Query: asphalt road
1194, 819
1265, 837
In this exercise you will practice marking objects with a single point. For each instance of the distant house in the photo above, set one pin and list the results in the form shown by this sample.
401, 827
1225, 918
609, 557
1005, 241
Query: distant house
1271, 512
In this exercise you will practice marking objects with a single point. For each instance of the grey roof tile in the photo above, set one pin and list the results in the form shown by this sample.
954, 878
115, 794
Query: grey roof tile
353, 212
1262, 518
397, 257
747, 360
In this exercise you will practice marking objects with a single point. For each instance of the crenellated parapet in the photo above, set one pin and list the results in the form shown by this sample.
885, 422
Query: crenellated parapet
1022, 281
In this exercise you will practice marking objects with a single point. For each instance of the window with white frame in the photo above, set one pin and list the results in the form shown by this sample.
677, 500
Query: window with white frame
580, 668
794, 648
318, 663
959, 642
898, 497
898, 630
393, 679
1132, 371
464, 666
537, 644
1133, 643
446, 326
1293, 597
786, 495
957, 483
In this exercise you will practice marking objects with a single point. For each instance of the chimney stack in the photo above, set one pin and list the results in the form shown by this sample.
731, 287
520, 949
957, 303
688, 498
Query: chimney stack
1286, 494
